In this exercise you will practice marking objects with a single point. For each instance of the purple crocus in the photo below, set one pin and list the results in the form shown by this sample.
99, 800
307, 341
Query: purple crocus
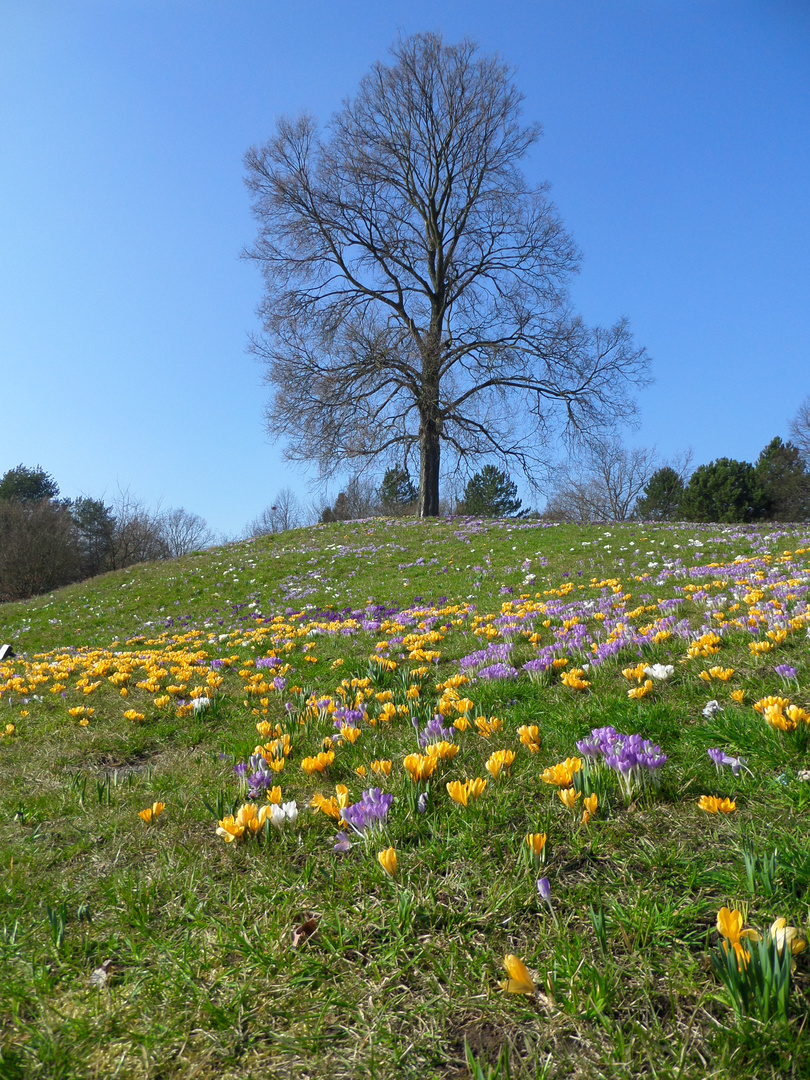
370, 812
720, 758
785, 671
435, 731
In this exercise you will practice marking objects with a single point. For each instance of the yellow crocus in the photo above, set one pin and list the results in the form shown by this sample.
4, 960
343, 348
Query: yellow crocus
562, 774
536, 842
152, 812
420, 766
713, 805
229, 829
458, 792
519, 981
477, 787
388, 861
568, 797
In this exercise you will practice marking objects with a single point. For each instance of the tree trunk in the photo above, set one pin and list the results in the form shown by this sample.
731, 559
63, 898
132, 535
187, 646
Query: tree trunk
429, 452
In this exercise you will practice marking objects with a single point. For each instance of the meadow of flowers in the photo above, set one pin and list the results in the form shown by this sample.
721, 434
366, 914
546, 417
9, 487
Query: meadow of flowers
451, 798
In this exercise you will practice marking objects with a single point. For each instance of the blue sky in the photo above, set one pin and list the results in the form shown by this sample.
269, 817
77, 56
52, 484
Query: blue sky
676, 141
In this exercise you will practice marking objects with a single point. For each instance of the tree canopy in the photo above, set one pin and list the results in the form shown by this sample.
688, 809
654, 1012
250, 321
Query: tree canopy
785, 482
662, 496
416, 283
491, 493
724, 490
397, 492
22, 484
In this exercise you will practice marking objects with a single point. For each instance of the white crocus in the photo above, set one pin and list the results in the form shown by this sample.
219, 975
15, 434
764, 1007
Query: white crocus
661, 672
282, 815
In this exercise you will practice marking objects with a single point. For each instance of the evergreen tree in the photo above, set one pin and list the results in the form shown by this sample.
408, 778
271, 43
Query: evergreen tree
27, 485
95, 527
662, 496
785, 482
725, 491
491, 493
397, 491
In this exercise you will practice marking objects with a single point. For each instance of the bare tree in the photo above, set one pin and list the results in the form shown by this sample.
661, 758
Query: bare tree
138, 535
603, 487
800, 430
184, 532
415, 283
38, 548
359, 499
284, 513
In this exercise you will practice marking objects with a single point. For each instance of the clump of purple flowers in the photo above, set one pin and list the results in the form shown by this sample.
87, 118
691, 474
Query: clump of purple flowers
720, 758
635, 761
497, 671
370, 813
260, 778
786, 672
434, 731
536, 669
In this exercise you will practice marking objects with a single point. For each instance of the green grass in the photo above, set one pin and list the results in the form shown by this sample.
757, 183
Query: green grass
401, 977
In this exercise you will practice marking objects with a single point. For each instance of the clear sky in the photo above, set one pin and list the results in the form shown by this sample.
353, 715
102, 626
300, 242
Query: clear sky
676, 141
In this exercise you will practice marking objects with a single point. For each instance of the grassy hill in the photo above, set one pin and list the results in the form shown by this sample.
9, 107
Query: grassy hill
293, 674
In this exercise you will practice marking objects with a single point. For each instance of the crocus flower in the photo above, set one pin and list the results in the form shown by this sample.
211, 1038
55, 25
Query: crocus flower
151, 812
544, 889
283, 815
716, 806
562, 774
536, 842
785, 936
659, 672
458, 792
730, 927
785, 671
420, 767
519, 981
568, 797
388, 861
499, 759
530, 737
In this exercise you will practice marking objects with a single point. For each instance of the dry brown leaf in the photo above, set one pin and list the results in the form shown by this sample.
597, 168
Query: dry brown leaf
304, 932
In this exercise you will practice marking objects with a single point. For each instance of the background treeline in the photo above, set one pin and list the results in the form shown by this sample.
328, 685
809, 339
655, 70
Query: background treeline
47, 542
615, 484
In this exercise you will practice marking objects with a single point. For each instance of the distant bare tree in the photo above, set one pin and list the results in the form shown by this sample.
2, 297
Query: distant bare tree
416, 284
284, 513
800, 430
39, 548
359, 499
138, 535
604, 487
184, 532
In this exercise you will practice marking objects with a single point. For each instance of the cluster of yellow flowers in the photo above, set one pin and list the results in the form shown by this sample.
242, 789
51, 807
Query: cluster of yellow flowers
780, 714
716, 806
731, 929
498, 760
562, 774
461, 793
575, 679
319, 763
